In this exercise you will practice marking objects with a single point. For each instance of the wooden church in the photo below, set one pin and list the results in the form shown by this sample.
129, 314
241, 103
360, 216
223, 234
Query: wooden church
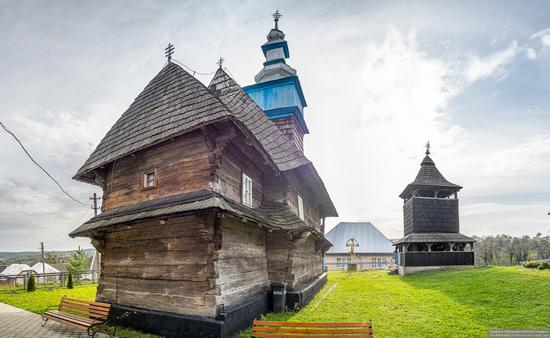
208, 198
431, 224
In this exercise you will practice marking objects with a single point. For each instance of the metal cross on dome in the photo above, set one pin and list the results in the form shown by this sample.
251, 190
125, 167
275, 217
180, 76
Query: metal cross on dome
428, 146
277, 15
168, 51
220, 62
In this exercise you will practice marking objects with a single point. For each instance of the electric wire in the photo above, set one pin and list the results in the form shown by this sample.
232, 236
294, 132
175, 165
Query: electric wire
39, 166
191, 69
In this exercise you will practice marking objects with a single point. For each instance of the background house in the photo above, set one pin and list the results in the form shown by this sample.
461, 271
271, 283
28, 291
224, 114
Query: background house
375, 251
14, 274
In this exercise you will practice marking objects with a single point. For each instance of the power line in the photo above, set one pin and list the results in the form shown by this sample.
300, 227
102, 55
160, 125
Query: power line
39, 166
192, 70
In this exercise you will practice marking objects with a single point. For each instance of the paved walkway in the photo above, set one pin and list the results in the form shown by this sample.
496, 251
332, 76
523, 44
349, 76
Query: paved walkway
18, 323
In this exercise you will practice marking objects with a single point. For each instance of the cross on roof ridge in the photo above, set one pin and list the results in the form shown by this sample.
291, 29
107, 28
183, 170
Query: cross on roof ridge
220, 62
168, 51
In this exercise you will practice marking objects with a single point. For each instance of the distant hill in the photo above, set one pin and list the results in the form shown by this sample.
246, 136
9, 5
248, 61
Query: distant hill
36, 254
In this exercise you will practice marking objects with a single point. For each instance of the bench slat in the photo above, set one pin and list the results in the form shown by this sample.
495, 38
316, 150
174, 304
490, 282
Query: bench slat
65, 318
267, 335
84, 313
277, 329
84, 308
310, 331
303, 324
99, 304
68, 315
64, 322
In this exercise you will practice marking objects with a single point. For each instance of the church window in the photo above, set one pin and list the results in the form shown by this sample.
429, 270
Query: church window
301, 208
150, 179
247, 190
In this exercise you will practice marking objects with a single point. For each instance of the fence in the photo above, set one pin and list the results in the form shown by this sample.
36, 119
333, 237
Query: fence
10, 283
439, 258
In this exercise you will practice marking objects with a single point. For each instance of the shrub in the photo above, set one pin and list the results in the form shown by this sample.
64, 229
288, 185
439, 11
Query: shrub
531, 265
31, 285
70, 283
544, 266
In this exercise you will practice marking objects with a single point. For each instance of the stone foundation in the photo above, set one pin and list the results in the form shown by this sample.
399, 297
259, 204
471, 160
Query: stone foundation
406, 270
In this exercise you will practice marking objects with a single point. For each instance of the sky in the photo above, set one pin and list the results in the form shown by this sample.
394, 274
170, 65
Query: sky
381, 78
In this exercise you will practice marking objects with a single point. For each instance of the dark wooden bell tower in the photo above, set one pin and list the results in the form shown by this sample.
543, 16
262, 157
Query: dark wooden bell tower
431, 223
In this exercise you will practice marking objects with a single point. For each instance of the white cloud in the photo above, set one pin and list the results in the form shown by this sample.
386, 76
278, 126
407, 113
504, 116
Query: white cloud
401, 94
531, 53
543, 35
493, 64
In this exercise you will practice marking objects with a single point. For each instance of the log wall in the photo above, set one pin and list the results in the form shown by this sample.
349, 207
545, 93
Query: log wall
165, 267
229, 176
306, 263
241, 262
311, 209
183, 166
293, 261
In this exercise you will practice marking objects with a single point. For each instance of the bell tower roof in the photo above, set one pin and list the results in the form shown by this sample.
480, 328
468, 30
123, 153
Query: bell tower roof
429, 177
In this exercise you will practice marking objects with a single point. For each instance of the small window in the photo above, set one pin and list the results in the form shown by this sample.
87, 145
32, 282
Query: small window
247, 190
338, 262
150, 179
300, 207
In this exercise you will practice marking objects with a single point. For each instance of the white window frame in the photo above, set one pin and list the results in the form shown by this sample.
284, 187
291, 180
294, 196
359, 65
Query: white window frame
301, 208
146, 179
154, 182
338, 262
247, 190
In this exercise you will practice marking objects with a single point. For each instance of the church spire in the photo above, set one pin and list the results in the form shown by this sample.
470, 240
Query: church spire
277, 89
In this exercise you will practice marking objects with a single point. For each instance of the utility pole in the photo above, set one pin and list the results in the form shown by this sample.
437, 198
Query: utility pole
43, 262
94, 207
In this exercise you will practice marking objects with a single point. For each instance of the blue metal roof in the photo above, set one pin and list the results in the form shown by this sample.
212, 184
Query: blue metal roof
370, 239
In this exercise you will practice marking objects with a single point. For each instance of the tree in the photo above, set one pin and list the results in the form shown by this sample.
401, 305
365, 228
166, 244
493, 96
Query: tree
542, 246
487, 249
31, 285
51, 257
78, 261
70, 282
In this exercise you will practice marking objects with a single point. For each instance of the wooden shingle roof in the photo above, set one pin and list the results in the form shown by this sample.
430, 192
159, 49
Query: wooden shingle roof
435, 237
276, 216
171, 104
429, 177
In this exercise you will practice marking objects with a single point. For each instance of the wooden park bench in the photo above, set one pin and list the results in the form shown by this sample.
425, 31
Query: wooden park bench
92, 317
271, 329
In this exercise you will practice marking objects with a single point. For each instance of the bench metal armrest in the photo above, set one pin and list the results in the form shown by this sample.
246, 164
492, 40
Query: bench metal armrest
51, 307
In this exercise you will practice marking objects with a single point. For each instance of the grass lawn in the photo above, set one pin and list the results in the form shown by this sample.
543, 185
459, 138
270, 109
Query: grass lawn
452, 303
40, 299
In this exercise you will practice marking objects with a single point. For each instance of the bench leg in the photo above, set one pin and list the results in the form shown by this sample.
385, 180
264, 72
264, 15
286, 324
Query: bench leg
45, 321
91, 332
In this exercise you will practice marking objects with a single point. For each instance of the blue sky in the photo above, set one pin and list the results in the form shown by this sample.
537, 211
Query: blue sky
380, 78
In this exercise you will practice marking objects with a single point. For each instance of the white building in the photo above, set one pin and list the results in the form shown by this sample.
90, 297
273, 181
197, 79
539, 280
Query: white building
374, 250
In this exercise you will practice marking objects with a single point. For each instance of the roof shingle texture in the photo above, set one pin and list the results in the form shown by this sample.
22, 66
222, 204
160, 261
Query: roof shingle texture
435, 237
429, 176
175, 102
274, 216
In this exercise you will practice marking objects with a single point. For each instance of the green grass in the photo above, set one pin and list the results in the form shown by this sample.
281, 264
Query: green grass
451, 303
40, 299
